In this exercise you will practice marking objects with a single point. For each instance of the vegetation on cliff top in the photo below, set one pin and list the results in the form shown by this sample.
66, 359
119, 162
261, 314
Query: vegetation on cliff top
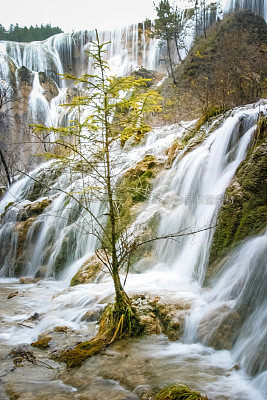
223, 70
17, 33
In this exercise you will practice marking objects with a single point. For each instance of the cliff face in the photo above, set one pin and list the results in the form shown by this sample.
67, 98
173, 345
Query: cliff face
244, 210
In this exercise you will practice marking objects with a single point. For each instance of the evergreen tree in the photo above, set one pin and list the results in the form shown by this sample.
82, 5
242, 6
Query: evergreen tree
115, 109
164, 29
16, 33
168, 27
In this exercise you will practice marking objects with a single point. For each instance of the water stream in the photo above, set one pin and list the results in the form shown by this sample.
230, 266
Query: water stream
186, 197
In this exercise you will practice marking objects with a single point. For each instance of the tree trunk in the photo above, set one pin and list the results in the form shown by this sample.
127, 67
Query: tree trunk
5, 167
170, 60
177, 48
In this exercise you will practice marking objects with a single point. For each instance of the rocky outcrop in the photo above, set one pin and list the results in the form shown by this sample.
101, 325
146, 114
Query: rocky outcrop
244, 209
34, 209
219, 328
49, 86
159, 315
90, 269
153, 76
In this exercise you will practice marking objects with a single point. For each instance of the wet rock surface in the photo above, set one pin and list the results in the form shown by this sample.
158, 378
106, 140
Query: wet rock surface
129, 369
219, 328
90, 269
162, 316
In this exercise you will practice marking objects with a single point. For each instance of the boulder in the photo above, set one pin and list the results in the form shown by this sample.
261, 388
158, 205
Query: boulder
28, 280
159, 315
218, 329
90, 269
34, 209
144, 73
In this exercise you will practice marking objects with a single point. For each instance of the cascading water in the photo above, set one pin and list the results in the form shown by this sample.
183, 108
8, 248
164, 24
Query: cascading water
21, 64
186, 197
258, 7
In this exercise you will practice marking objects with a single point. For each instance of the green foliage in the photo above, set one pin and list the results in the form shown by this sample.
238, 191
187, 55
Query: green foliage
211, 112
108, 108
15, 33
179, 392
167, 22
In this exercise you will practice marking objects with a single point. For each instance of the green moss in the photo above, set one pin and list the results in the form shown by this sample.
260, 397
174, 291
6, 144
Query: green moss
244, 211
179, 392
91, 269
119, 320
42, 343
75, 357
7, 207
133, 189
208, 114
196, 131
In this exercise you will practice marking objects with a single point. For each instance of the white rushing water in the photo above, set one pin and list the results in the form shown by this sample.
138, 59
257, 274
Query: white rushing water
185, 197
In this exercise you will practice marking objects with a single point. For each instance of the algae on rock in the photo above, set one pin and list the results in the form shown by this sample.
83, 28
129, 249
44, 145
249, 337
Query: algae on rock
89, 270
179, 392
244, 210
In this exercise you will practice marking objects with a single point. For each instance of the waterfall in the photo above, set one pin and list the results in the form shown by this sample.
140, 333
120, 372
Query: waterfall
43, 228
257, 6
64, 52
187, 197
241, 288
195, 187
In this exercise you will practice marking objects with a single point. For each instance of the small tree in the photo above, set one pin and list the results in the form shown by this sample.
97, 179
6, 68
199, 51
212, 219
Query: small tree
166, 26
110, 108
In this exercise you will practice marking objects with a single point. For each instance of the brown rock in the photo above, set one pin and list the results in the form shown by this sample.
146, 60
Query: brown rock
26, 280
218, 329
90, 269
13, 294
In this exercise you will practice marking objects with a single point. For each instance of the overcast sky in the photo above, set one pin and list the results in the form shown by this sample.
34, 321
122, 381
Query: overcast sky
76, 14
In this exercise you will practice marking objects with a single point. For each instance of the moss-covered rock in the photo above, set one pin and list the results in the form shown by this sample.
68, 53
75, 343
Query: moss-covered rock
34, 209
90, 269
42, 343
244, 209
144, 73
134, 188
179, 392
161, 316
116, 323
